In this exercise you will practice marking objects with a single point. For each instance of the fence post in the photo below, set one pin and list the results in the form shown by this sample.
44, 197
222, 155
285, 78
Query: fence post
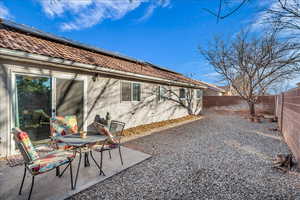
281, 114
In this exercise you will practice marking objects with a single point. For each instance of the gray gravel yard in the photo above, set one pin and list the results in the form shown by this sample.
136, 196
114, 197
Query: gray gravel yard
217, 157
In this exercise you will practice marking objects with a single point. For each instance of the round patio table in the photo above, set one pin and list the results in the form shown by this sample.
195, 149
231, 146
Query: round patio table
74, 140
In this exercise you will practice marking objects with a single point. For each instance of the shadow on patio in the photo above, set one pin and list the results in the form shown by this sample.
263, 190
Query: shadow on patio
48, 186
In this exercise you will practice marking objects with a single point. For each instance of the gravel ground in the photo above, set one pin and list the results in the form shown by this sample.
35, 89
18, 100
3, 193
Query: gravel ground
217, 157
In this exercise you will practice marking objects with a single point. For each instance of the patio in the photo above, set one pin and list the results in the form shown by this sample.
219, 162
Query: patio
220, 156
48, 186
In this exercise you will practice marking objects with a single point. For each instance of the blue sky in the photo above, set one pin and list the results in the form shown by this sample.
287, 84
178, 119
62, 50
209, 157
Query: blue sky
166, 33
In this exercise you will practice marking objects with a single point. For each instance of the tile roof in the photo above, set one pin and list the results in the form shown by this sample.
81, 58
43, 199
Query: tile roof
16, 38
213, 87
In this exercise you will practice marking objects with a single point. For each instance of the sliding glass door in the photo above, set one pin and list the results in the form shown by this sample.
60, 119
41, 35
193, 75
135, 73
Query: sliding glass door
37, 98
33, 105
70, 99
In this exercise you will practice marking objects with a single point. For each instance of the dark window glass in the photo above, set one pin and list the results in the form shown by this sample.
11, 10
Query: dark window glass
182, 93
136, 93
126, 91
33, 105
162, 93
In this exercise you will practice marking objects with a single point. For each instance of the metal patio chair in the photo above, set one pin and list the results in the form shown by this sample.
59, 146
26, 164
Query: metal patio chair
39, 165
116, 130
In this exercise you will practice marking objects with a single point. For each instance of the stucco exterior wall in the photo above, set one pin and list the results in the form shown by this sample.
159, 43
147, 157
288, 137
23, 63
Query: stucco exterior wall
104, 95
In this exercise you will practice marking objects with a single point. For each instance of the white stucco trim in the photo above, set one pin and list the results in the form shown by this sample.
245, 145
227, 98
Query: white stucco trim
35, 58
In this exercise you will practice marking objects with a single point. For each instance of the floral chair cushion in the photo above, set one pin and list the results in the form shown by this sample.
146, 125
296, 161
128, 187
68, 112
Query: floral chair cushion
63, 125
50, 161
24, 139
71, 123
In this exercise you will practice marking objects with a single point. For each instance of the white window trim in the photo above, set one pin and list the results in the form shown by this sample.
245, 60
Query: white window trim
131, 91
159, 96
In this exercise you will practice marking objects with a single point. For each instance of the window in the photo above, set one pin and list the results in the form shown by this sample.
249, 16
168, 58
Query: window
162, 93
182, 93
130, 91
126, 91
136, 91
199, 94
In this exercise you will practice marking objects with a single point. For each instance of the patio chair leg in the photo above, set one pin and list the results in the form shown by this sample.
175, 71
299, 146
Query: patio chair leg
77, 170
20, 191
32, 183
60, 175
109, 154
121, 158
71, 174
101, 162
99, 167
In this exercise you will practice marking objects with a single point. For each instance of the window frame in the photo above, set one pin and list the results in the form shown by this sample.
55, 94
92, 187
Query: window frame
197, 90
160, 97
185, 94
131, 91
140, 91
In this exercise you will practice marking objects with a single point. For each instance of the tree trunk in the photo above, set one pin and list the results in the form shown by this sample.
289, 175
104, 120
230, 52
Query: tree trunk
190, 112
251, 108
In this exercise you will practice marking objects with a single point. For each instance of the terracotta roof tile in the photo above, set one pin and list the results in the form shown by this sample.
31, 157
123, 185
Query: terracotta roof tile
18, 40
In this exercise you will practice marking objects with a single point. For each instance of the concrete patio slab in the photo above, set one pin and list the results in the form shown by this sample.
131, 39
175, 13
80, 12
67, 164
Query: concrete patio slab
48, 186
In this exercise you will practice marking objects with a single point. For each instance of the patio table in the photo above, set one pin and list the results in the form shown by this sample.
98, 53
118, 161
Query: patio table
79, 143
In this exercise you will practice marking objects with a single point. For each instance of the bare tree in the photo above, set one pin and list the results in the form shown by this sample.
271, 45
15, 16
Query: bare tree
285, 14
227, 8
280, 86
252, 64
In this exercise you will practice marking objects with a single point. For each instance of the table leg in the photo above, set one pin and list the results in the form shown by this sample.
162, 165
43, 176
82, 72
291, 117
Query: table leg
57, 171
100, 168
77, 169
86, 160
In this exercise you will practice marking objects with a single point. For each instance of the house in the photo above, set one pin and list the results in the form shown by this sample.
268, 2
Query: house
42, 75
213, 90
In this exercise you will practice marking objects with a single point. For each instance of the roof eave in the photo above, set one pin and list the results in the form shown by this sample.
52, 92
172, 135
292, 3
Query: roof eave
30, 57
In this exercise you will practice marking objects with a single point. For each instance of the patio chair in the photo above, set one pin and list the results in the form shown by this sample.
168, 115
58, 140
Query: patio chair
60, 126
39, 165
114, 134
